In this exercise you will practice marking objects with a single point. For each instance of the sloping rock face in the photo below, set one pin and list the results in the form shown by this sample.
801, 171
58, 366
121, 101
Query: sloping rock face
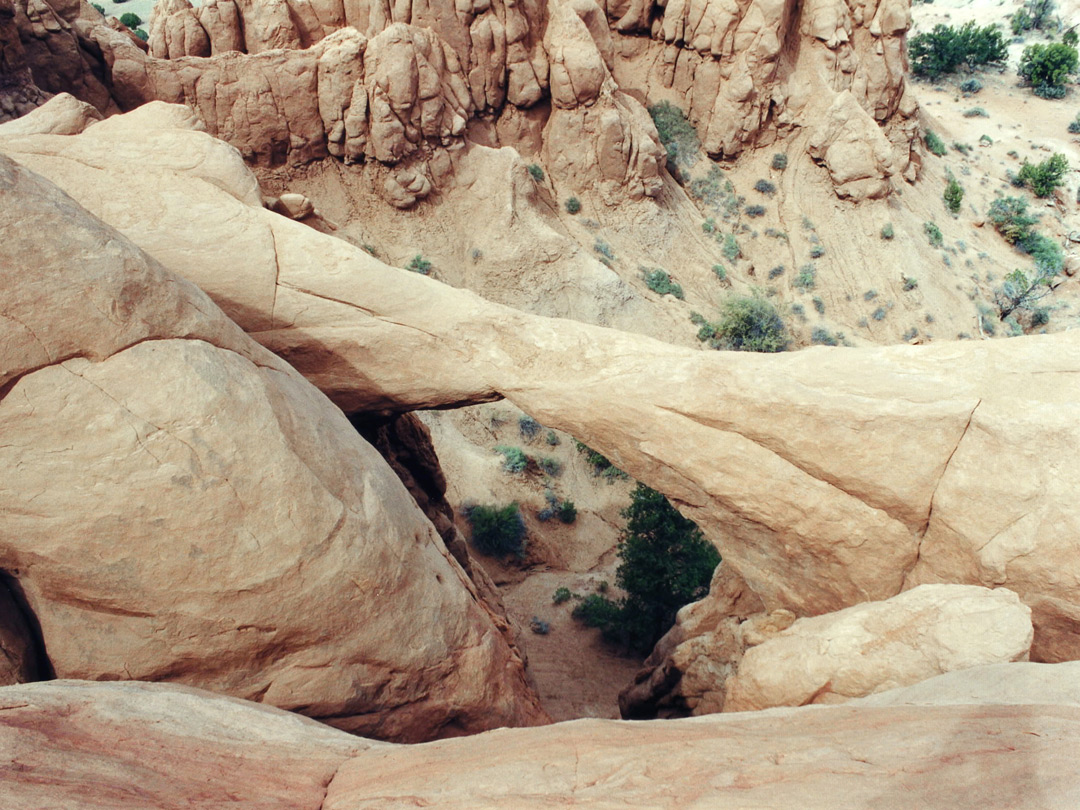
130, 745
187, 508
769, 454
18, 93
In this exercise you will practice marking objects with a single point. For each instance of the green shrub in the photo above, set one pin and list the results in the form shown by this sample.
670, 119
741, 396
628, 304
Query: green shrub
1044, 177
823, 337
720, 272
870, 295
819, 305
536, 173
779, 161
816, 251
807, 277
747, 324
131, 20
755, 210
1048, 67
141, 34
910, 283
573, 205
550, 466
933, 234
776, 272
935, 144
879, 314
1071, 38
676, 133
601, 466
1010, 218
945, 49
562, 594
1045, 251
971, 86
887, 231
1036, 14
763, 186
528, 427
100, 9
514, 458
953, 196
665, 563
1021, 291
731, 248
1074, 125
607, 255
659, 281
497, 530
976, 112
567, 512
419, 265
552, 438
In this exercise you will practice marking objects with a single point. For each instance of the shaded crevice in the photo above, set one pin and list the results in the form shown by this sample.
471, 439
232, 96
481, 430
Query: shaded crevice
19, 621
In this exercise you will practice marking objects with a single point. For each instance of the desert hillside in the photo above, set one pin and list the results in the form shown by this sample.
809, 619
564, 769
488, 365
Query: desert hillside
377, 376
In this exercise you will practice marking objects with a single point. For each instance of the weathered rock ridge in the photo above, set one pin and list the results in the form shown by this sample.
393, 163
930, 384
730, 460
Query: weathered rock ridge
294, 81
131, 745
188, 508
769, 454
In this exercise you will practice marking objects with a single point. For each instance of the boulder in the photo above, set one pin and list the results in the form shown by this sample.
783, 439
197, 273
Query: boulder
877, 646
189, 509
61, 115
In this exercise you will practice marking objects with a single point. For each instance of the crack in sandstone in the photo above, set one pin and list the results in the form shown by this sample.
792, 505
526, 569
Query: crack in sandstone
933, 495
353, 305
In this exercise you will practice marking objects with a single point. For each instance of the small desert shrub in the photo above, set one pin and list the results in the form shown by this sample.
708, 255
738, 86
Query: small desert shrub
676, 133
807, 277
976, 112
1047, 68
419, 265
819, 305
131, 20
887, 231
910, 283
731, 248
100, 9
746, 324
550, 466
605, 251
573, 205
933, 234
514, 458
659, 281
552, 438
1010, 218
562, 594
817, 251
536, 173
141, 34
755, 210
497, 530
720, 272
870, 295
1044, 177
763, 186
1074, 125
776, 272
934, 143
567, 512
971, 86
779, 161
823, 337
528, 427
600, 465
953, 196
1045, 251
879, 314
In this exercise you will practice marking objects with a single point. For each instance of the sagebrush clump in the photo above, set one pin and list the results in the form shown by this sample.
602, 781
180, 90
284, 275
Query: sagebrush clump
497, 530
746, 324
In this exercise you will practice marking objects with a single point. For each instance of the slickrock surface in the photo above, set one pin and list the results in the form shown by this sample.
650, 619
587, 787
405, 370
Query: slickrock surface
186, 507
119, 746
769, 454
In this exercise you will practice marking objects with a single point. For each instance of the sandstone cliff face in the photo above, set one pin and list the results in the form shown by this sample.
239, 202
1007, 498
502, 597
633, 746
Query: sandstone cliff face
189, 509
131, 745
767, 453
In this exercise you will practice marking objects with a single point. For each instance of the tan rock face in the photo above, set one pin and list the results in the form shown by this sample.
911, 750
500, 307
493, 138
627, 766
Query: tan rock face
189, 509
129, 745
876, 646
769, 454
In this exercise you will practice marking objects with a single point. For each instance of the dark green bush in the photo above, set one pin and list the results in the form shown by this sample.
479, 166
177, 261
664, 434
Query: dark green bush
933, 234
100, 9
746, 324
1044, 177
971, 86
131, 20
945, 49
562, 594
1074, 126
935, 144
731, 249
807, 277
567, 512
953, 196
660, 282
528, 427
550, 466
676, 133
419, 265
573, 205
497, 530
755, 210
1045, 251
665, 563
601, 466
1010, 218
1048, 67
514, 458
536, 173
779, 161
763, 186
1036, 14
823, 337
141, 34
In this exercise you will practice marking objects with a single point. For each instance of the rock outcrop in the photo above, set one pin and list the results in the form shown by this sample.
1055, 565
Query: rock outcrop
127, 746
188, 508
767, 453
876, 646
